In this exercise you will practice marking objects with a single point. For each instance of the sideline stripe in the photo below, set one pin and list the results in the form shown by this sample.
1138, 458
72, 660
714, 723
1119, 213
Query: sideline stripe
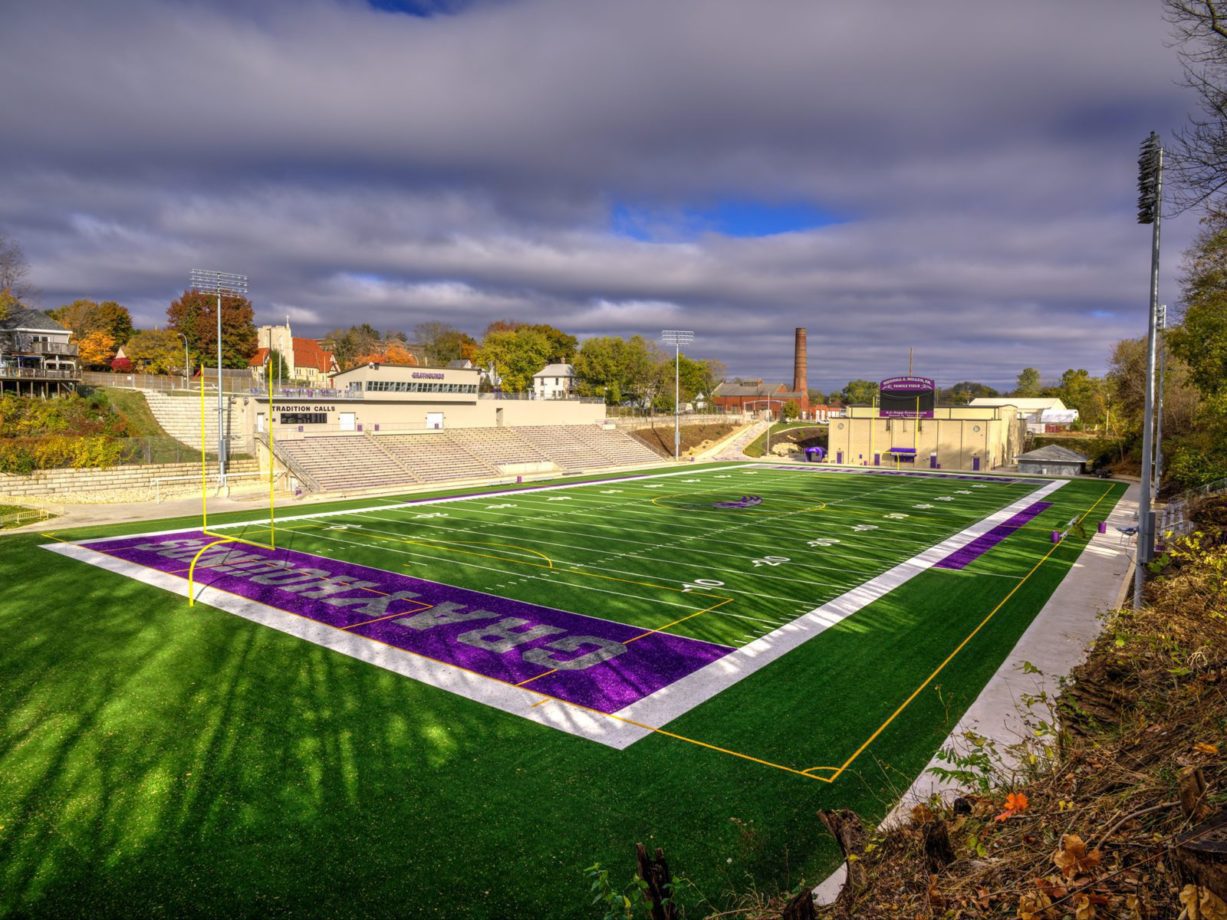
971, 635
668, 703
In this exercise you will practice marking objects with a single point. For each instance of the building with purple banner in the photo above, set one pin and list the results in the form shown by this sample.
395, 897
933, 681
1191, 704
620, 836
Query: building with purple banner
947, 438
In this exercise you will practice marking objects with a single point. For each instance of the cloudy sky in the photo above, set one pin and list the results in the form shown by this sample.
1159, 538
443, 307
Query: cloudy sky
955, 176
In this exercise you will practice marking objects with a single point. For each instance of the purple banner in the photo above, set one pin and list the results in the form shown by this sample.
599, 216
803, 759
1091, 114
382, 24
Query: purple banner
961, 558
591, 662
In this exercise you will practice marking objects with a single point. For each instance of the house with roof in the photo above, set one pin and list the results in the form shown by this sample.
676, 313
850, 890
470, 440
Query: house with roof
1052, 460
307, 361
1041, 413
37, 355
554, 381
754, 395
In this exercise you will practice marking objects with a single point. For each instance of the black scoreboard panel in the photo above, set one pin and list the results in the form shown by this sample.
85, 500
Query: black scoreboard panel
894, 405
907, 397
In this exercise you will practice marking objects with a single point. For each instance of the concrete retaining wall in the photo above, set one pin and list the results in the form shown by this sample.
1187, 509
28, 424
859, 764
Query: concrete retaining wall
114, 484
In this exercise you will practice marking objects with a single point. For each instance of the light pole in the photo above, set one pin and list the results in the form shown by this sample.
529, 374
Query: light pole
1162, 322
677, 338
1150, 211
219, 283
186, 373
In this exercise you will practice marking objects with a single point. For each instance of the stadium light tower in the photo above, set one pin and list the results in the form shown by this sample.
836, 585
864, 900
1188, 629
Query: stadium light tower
1162, 347
1150, 211
219, 283
677, 338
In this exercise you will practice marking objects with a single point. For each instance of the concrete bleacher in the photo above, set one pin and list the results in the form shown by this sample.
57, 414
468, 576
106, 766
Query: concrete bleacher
358, 462
498, 446
344, 463
564, 448
435, 457
617, 447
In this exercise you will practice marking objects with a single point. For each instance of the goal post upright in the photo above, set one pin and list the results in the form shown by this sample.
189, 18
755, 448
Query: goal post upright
222, 284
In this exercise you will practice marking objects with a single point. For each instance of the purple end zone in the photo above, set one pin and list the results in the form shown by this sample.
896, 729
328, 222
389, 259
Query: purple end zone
591, 662
986, 541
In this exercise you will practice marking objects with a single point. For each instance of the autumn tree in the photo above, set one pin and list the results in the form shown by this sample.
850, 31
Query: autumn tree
1127, 380
86, 316
516, 355
1079, 390
694, 376
96, 349
350, 345
621, 370
560, 348
1200, 341
155, 351
442, 343
194, 314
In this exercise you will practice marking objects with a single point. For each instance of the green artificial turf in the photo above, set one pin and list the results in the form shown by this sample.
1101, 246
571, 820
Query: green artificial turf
156, 759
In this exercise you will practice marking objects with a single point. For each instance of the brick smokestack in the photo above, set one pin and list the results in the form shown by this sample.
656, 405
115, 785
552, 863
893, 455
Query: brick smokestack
799, 384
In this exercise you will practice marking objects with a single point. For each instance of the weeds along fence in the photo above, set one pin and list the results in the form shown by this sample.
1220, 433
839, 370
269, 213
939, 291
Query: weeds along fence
1174, 515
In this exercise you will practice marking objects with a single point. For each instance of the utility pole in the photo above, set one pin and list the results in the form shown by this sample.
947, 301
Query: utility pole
1150, 211
677, 338
219, 283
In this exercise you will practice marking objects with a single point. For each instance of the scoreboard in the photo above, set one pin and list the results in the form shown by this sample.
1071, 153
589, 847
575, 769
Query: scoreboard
906, 397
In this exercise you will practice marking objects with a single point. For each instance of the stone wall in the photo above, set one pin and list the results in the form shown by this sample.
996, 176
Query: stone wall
115, 484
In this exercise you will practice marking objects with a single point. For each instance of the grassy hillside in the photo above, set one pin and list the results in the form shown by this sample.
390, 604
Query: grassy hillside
660, 438
799, 434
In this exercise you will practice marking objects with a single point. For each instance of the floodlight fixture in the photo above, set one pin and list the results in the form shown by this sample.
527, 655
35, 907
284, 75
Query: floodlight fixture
677, 338
1150, 179
220, 283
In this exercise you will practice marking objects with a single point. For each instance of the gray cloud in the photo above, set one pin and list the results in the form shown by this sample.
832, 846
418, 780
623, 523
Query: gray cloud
361, 165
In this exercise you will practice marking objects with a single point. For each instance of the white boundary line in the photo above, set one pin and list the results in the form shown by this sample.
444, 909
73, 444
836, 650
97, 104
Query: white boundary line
657, 709
683, 695
574, 720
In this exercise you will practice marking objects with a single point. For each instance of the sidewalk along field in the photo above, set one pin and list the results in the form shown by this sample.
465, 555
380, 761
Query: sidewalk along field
156, 754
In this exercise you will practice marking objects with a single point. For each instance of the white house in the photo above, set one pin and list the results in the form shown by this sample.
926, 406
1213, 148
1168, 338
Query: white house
1041, 413
554, 381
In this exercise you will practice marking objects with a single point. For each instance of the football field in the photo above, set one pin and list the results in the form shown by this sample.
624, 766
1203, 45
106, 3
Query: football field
469, 698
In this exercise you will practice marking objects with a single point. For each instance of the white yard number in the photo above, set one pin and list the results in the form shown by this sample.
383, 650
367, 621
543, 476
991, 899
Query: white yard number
822, 541
700, 584
770, 560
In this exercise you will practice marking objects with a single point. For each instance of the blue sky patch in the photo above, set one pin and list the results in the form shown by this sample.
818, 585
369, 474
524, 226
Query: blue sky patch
732, 217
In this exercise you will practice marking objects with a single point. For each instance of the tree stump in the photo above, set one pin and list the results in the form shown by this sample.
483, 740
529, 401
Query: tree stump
800, 907
938, 851
1191, 785
658, 889
846, 827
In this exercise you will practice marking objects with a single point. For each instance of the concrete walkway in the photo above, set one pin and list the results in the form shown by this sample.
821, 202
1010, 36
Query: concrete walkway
92, 515
1056, 641
733, 449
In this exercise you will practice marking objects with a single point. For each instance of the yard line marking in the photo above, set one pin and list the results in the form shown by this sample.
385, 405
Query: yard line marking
902, 706
668, 703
